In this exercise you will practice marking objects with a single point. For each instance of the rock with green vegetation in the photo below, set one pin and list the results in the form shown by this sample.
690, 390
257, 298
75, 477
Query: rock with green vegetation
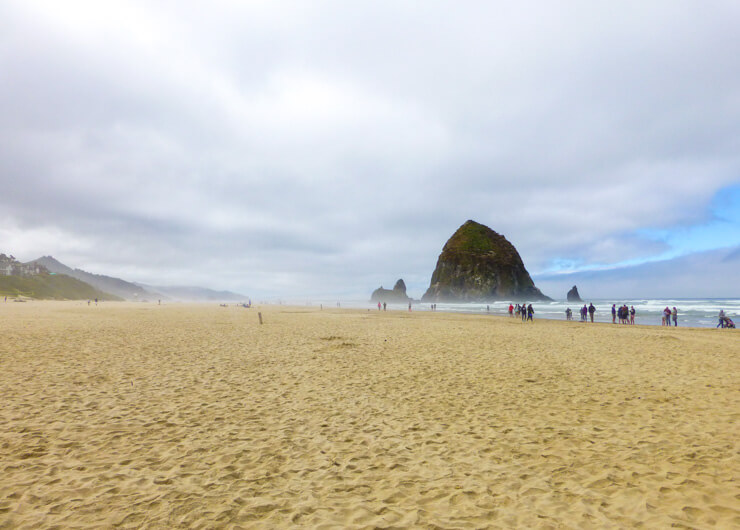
395, 296
479, 265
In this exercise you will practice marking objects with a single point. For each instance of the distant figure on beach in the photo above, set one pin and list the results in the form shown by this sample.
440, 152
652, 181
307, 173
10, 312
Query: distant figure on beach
632, 314
530, 312
511, 310
614, 313
674, 314
666, 316
524, 312
488, 309
568, 314
409, 307
384, 306
721, 319
88, 302
591, 311
584, 313
378, 306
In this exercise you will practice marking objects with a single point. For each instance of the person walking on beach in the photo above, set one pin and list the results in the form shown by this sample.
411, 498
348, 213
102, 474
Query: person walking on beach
614, 313
378, 306
632, 314
666, 316
674, 314
591, 311
511, 310
568, 314
524, 312
530, 312
721, 319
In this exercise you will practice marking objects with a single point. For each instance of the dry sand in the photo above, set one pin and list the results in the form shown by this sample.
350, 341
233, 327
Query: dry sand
139, 415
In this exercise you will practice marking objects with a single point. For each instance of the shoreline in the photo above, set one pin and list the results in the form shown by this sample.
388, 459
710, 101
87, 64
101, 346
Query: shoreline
685, 321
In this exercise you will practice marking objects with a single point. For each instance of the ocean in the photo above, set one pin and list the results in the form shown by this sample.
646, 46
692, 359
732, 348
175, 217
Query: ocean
692, 312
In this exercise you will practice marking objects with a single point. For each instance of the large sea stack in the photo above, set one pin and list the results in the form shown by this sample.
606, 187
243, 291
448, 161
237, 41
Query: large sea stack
479, 265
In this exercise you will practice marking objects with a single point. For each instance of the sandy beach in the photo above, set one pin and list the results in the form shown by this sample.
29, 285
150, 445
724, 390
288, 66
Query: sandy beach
138, 415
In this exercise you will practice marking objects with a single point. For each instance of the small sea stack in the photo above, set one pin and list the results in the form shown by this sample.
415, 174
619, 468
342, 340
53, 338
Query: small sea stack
396, 295
573, 295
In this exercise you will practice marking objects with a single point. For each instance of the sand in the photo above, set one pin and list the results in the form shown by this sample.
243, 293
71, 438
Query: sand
138, 415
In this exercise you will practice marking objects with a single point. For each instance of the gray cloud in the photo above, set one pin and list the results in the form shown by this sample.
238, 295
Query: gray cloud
331, 147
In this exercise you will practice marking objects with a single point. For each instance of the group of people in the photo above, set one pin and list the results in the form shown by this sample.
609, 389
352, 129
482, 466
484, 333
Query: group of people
585, 312
669, 314
626, 315
526, 311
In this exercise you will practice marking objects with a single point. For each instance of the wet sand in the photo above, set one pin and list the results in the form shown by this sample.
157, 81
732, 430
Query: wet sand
136, 415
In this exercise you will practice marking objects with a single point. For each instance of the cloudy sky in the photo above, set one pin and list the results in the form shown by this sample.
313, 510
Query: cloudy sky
323, 148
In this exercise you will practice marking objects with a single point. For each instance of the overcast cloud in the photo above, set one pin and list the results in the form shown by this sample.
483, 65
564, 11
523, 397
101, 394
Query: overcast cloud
321, 149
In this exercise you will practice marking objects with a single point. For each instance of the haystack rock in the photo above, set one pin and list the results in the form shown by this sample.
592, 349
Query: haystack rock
573, 295
479, 265
397, 295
